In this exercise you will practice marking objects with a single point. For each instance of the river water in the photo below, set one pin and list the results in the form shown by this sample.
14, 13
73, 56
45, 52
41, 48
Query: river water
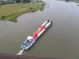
61, 40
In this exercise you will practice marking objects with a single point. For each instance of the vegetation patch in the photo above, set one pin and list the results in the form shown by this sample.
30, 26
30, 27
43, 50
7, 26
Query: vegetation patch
12, 11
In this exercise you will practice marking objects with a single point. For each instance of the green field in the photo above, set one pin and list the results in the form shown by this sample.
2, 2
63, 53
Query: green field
12, 11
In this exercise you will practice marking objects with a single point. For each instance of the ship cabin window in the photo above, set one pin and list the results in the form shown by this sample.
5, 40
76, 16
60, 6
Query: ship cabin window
28, 42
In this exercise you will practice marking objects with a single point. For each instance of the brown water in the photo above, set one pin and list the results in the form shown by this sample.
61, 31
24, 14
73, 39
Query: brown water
61, 40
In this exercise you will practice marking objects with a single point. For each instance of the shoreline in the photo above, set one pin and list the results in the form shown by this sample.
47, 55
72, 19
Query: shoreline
15, 10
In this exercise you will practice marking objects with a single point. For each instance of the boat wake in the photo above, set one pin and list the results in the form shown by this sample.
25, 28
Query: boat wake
20, 52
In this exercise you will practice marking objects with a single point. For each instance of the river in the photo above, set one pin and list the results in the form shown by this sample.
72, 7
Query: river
61, 40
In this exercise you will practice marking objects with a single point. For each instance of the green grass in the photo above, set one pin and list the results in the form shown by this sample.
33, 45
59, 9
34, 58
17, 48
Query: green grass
12, 11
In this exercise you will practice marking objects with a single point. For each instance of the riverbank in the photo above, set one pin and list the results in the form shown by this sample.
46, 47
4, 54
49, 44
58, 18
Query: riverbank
11, 11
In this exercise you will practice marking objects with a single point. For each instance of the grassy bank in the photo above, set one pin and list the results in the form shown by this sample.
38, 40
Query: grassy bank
12, 11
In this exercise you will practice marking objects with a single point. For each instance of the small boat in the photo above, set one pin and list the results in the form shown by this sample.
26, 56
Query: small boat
32, 39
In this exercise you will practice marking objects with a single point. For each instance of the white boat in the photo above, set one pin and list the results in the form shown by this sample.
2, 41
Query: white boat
32, 39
